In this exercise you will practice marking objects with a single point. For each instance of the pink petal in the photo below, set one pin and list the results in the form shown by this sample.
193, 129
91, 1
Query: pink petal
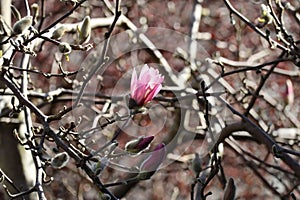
139, 94
133, 83
145, 87
144, 72
155, 159
144, 143
153, 93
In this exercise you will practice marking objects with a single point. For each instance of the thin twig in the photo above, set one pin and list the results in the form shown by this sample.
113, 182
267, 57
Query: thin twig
29, 135
259, 134
255, 28
262, 82
103, 60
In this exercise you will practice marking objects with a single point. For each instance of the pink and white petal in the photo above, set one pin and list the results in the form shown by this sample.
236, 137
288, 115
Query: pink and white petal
155, 159
146, 86
155, 81
144, 72
152, 93
133, 83
139, 95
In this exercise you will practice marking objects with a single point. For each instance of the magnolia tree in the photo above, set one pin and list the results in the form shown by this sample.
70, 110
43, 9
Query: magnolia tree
149, 99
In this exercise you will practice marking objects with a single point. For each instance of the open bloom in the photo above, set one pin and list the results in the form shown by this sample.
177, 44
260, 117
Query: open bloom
145, 87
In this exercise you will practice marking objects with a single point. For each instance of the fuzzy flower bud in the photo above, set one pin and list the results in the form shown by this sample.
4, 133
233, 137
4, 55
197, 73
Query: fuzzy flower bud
73, 2
104, 196
59, 32
151, 164
60, 160
145, 87
22, 25
35, 11
139, 144
196, 165
85, 30
229, 192
64, 48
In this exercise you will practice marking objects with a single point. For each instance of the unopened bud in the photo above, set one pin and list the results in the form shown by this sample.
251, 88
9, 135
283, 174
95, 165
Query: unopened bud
221, 150
151, 164
22, 25
74, 2
266, 17
35, 11
64, 48
229, 192
60, 160
85, 30
59, 32
289, 93
138, 145
196, 165
35, 8
104, 196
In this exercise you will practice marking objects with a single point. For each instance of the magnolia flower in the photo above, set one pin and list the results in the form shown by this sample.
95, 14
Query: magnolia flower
145, 87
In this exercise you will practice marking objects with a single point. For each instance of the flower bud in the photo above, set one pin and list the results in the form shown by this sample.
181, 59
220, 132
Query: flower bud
64, 48
221, 150
104, 196
196, 165
151, 164
59, 32
60, 160
138, 145
73, 2
22, 25
266, 17
229, 192
289, 93
85, 30
35, 10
